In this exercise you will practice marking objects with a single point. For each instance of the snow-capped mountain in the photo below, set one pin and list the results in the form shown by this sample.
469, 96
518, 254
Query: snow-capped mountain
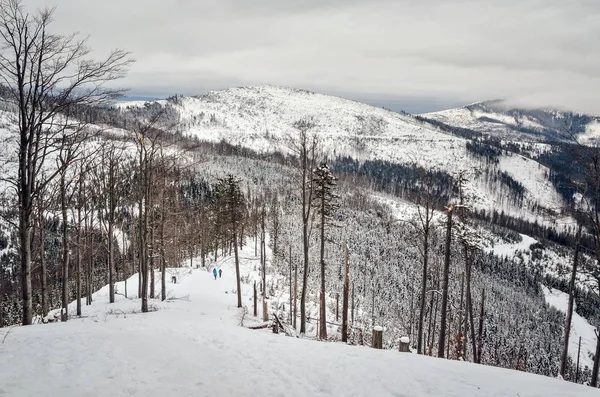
262, 118
500, 120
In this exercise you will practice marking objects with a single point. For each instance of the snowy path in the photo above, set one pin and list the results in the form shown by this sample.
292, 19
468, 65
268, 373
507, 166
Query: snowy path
196, 348
509, 249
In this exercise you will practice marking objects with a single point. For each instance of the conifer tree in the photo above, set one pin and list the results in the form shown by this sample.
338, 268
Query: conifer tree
325, 205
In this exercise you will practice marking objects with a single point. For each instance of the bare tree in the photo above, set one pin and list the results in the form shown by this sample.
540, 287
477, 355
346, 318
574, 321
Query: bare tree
425, 211
106, 179
445, 284
345, 295
148, 139
567, 331
46, 74
305, 147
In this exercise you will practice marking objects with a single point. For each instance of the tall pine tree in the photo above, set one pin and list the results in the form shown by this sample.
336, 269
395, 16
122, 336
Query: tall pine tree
325, 205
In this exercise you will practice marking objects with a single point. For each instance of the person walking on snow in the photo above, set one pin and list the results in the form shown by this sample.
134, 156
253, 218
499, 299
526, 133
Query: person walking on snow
215, 272
220, 271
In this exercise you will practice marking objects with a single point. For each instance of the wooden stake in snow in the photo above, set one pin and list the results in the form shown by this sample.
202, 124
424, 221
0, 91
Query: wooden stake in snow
378, 337
404, 342
265, 310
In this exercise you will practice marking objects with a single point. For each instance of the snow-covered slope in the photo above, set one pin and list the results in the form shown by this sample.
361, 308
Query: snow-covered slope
262, 118
193, 345
580, 327
500, 120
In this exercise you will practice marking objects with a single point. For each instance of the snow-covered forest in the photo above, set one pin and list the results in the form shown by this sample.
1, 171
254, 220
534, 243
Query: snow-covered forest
367, 218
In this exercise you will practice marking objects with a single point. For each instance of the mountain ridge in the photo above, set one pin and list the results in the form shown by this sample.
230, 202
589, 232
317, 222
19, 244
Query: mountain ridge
262, 117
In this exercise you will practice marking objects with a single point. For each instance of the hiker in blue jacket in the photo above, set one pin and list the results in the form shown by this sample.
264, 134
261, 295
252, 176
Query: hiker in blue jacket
215, 272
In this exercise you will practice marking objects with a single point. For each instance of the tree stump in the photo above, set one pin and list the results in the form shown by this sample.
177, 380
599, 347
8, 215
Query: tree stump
378, 337
404, 342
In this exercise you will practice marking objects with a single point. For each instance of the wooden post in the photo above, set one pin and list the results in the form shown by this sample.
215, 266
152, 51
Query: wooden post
404, 344
378, 337
255, 312
265, 310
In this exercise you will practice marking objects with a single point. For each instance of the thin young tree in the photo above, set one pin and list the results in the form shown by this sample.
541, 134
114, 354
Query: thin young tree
46, 74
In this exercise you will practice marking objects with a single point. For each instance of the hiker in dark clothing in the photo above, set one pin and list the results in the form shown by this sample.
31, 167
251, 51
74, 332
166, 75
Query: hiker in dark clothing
220, 271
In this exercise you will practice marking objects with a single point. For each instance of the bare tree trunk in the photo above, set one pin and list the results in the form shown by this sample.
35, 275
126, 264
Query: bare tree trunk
112, 203
143, 228
25, 251
471, 324
307, 155
352, 304
445, 285
434, 317
567, 330
345, 296
323, 309
480, 333
78, 248
291, 289
163, 259
111, 263
460, 318
89, 268
65, 249
295, 295
42, 226
420, 347
151, 254
237, 267
124, 258
594, 381
469, 321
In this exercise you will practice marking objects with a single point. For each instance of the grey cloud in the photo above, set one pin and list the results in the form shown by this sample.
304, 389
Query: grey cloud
539, 52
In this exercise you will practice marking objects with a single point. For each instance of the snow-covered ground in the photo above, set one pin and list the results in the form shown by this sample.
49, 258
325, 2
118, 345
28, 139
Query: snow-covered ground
193, 345
579, 328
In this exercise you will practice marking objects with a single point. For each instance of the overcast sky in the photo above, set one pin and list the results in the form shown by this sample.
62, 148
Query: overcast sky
417, 55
